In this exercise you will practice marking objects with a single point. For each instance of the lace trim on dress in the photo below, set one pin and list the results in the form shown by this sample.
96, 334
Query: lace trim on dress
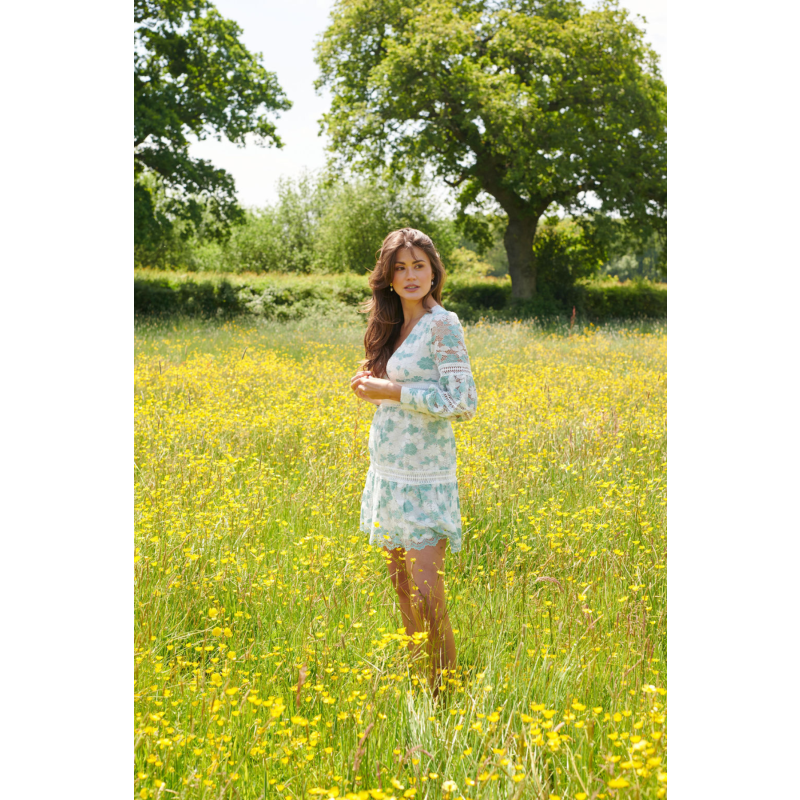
450, 401
452, 369
415, 476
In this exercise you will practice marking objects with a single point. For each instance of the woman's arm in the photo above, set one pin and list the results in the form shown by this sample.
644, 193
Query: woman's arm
373, 390
455, 397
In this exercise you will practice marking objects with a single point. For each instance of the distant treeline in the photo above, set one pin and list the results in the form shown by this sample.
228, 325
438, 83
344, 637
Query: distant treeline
286, 297
322, 225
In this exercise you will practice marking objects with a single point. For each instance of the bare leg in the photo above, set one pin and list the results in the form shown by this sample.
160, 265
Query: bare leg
396, 563
426, 573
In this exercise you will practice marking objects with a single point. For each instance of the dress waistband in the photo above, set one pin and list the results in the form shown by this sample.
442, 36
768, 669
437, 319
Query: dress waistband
415, 476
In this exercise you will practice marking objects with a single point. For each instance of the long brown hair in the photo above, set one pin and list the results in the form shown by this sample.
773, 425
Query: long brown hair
384, 307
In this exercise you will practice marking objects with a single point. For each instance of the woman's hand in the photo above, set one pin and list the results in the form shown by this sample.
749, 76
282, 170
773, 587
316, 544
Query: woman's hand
374, 389
355, 384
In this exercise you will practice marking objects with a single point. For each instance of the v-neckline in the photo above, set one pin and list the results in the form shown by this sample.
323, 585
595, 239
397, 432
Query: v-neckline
403, 343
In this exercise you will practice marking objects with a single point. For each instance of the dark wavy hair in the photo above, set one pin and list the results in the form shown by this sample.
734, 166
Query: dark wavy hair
384, 307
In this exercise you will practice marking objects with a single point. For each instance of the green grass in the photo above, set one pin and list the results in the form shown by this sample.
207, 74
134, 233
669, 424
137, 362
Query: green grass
250, 455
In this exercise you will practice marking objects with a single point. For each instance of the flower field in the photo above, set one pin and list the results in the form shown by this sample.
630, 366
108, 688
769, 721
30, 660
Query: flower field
269, 661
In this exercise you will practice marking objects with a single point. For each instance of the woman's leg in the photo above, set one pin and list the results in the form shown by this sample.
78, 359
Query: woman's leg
426, 573
396, 563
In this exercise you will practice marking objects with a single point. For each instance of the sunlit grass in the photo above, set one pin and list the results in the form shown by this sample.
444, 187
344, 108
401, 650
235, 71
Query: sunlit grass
269, 661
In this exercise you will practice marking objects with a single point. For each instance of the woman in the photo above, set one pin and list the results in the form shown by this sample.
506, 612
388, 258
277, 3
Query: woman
418, 374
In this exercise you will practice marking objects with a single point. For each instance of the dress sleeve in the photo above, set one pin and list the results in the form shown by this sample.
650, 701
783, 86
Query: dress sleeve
455, 396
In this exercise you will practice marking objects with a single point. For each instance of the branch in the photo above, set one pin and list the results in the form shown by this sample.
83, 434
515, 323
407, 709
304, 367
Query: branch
567, 194
454, 184
488, 174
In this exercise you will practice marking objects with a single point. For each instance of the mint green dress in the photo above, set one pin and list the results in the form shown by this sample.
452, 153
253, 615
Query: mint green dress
411, 489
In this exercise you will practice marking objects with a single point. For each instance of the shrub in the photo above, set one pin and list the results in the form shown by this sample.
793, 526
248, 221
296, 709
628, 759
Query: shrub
300, 208
185, 297
360, 214
633, 300
285, 297
314, 226
351, 290
467, 263
255, 246
635, 256
276, 238
478, 295
565, 252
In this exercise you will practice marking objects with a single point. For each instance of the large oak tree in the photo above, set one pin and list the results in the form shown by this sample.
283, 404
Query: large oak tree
536, 103
193, 77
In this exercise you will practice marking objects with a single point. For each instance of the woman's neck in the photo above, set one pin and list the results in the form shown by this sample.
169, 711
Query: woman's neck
413, 310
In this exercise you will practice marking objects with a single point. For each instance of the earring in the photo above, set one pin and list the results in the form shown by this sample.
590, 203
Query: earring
391, 288
432, 282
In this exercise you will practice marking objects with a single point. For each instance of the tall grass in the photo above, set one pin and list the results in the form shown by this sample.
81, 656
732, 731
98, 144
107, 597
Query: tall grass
269, 659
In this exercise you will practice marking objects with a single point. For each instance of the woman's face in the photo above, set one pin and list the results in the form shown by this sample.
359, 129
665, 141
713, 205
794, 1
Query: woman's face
412, 273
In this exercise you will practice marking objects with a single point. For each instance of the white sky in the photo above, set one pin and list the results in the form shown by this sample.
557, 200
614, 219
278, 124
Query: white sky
285, 33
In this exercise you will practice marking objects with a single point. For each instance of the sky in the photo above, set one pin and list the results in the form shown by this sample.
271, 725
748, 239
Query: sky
284, 33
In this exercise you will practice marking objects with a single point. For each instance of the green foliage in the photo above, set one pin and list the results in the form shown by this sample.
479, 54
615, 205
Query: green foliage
316, 225
634, 300
565, 251
160, 238
634, 257
290, 297
634, 266
193, 78
595, 302
149, 225
277, 238
281, 297
467, 263
482, 233
207, 298
361, 212
254, 246
533, 104
479, 229
475, 295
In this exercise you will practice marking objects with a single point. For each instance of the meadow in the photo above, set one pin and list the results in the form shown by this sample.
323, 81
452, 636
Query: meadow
269, 661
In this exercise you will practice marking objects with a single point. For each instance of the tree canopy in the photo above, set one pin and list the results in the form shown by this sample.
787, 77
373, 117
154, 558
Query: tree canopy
535, 103
193, 77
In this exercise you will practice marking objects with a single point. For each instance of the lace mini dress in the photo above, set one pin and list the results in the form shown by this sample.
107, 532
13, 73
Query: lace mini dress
411, 489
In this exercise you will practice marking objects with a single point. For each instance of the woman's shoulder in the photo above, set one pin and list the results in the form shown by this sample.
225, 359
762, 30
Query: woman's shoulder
441, 311
444, 319
445, 326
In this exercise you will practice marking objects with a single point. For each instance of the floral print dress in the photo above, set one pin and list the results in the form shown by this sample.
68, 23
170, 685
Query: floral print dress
411, 490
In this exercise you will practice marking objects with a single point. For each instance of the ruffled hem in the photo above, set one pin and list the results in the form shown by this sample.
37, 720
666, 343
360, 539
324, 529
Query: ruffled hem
411, 516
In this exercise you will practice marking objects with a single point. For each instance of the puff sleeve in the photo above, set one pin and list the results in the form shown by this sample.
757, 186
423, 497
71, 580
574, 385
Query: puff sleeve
455, 397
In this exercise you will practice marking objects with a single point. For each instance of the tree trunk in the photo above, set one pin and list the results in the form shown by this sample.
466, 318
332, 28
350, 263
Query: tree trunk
519, 248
